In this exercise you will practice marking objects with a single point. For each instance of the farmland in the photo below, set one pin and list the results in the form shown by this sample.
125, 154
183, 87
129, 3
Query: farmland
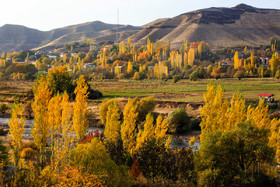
182, 91
185, 90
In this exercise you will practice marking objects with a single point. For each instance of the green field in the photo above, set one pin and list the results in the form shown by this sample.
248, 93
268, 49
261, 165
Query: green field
185, 90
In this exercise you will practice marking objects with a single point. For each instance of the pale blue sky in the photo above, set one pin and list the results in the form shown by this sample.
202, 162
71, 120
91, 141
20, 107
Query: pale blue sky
49, 14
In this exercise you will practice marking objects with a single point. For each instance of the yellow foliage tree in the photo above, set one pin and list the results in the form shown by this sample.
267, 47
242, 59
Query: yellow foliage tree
129, 126
40, 130
80, 121
54, 114
16, 125
113, 124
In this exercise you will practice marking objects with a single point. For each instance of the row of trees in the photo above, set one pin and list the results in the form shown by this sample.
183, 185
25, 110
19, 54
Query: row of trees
239, 144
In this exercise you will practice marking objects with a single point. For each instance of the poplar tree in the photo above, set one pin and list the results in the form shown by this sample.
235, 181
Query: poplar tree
80, 122
40, 130
113, 124
129, 126
16, 125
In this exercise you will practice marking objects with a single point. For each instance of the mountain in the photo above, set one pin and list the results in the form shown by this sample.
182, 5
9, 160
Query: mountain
16, 37
239, 25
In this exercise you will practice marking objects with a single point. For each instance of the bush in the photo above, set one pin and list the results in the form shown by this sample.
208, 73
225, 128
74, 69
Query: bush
28, 153
136, 76
163, 77
93, 158
145, 105
176, 78
4, 156
195, 124
194, 76
94, 94
239, 74
27, 110
3, 132
178, 120
277, 74
3, 108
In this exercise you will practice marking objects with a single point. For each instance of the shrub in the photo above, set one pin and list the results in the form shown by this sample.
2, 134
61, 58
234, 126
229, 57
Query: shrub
178, 120
176, 78
27, 110
194, 76
94, 94
239, 74
145, 105
277, 74
93, 158
28, 153
3, 108
195, 124
3, 132
136, 76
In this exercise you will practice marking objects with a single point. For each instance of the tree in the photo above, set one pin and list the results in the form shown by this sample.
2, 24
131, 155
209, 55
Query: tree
54, 121
67, 130
151, 160
3, 108
230, 157
178, 120
113, 124
4, 155
93, 158
103, 109
129, 126
274, 63
16, 125
80, 122
236, 60
27, 110
40, 130
60, 80
239, 74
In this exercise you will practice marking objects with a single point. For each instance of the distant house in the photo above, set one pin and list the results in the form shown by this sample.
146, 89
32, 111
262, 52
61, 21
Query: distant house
62, 54
118, 69
151, 68
227, 63
51, 56
44, 72
87, 66
240, 55
264, 60
30, 62
92, 46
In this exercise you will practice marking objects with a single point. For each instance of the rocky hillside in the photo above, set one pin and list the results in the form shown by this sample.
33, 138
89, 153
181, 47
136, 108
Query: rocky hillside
240, 25
16, 37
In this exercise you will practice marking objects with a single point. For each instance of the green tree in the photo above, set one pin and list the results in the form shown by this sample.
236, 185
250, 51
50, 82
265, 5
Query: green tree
93, 158
230, 157
179, 120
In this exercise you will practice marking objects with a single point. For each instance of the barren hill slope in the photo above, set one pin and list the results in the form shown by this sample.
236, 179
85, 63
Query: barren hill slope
240, 25
16, 37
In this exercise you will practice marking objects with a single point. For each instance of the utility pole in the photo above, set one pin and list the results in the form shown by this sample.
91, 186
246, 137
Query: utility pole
117, 39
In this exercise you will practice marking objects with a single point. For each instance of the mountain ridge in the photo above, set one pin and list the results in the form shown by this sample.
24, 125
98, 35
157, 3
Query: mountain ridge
239, 25
218, 26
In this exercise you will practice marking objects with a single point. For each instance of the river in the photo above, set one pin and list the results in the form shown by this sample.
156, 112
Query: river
175, 143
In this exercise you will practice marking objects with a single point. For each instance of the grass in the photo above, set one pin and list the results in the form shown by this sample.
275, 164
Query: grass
182, 91
186, 90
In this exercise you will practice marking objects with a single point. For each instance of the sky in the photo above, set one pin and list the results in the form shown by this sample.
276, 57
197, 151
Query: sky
50, 14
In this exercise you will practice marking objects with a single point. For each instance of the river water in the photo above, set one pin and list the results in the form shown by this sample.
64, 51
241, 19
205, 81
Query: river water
175, 143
